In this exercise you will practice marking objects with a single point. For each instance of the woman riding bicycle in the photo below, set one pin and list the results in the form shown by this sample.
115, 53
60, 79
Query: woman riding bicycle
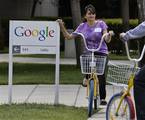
92, 30
139, 82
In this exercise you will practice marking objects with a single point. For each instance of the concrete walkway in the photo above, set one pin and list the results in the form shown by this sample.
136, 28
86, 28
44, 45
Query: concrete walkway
5, 58
69, 61
70, 95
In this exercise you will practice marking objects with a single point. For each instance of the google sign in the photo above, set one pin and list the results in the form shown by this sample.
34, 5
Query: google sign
42, 34
34, 37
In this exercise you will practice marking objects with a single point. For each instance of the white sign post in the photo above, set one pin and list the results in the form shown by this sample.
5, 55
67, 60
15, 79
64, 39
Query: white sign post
34, 37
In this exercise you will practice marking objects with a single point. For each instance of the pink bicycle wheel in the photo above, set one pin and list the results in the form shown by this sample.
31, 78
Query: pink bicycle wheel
126, 110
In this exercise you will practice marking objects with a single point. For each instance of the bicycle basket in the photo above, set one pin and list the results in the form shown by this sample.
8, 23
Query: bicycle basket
99, 61
119, 74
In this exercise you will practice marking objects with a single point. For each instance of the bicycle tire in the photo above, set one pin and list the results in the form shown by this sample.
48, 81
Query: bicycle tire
97, 99
91, 96
96, 102
110, 115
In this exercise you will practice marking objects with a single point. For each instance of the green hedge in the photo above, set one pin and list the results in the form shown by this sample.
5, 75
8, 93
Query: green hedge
113, 24
116, 25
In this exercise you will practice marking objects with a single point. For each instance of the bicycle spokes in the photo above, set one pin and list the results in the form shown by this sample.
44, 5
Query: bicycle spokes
119, 113
122, 112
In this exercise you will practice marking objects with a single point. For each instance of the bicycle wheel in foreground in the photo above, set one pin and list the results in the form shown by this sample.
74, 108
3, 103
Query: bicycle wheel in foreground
125, 112
91, 96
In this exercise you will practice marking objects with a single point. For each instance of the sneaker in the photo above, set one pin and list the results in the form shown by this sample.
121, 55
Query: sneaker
103, 102
84, 84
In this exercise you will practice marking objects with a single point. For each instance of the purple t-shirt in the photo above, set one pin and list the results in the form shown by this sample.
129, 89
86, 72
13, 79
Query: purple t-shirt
93, 35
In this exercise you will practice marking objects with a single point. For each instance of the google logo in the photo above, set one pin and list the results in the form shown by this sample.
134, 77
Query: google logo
21, 31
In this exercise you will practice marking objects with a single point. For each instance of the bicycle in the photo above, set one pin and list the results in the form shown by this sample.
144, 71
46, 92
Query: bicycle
93, 65
120, 105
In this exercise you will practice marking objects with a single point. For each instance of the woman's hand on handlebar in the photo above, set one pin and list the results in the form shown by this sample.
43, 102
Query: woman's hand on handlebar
111, 32
108, 36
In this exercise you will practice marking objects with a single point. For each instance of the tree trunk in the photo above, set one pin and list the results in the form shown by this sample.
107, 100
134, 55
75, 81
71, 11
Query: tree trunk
76, 16
34, 8
1, 37
125, 14
125, 17
141, 13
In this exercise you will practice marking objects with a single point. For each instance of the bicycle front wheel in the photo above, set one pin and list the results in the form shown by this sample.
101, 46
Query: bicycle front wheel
91, 96
125, 112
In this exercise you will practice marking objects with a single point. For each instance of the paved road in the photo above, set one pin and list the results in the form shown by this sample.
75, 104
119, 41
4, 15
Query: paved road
5, 58
69, 61
73, 95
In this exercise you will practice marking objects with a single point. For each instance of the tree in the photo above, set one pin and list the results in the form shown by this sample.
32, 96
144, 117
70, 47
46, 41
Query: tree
34, 6
141, 13
125, 14
76, 16
125, 17
1, 37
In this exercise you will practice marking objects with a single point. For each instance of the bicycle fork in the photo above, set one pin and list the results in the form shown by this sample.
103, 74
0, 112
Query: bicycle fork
125, 93
96, 85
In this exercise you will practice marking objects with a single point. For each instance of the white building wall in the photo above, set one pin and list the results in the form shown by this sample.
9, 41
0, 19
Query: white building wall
47, 8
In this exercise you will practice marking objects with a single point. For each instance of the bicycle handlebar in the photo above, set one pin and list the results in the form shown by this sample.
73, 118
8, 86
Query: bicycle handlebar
93, 50
134, 59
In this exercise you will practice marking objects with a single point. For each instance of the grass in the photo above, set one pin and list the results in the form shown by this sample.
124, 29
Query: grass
117, 57
121, 56
41, 112
5, 50
40, 74
44, 73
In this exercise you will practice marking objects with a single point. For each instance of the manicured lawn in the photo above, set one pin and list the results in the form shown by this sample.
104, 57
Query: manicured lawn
40, 74
121, 57
41, 112
44, 73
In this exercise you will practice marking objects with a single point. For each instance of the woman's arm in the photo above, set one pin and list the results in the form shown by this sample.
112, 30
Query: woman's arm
66, 34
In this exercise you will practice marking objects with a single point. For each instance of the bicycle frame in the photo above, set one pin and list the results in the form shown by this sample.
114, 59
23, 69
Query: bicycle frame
96, 82
126, 92
131, 79
93, 73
